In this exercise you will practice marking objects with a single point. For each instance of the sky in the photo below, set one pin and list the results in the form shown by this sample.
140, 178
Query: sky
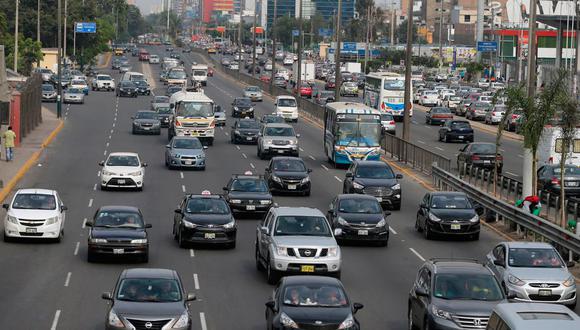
147, 5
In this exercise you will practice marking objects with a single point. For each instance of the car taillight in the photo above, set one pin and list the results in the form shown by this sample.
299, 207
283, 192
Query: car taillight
177, 123
514, 116
551, 160
475, 157
392, 122
555, 180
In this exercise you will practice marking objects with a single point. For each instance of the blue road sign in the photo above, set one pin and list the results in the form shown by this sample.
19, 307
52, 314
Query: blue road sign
349, 46
325, 32
86, 27
295, 33
487, 46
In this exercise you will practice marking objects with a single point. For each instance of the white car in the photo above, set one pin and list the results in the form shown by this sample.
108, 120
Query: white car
483, 83
122, 170
287, 107
234, 66
485, 99
288, 60
496, 86
80, 84
429, 98
34, 213
103, 82
153, 59
268, 66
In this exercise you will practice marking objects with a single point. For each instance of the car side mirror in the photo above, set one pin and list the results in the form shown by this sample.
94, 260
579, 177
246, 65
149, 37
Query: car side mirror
63, 208
225, 188
499, 262
421, 292
171, 106
102, 163
177, 211
132, 117
309, 170
570, 264
144, 165
348, 174
191, 297
148, 225
6, 206
89, 223
511, 295
168, 146
331, 212
271, 305
357, 306
297, 136
205, 147
399, 176
264, 230
107, 296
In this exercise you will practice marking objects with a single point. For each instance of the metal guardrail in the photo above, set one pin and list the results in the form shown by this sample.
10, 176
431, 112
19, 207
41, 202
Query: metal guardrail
444, 180
417, 157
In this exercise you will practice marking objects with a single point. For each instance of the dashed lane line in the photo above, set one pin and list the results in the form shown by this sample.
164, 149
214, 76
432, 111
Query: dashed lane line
77, 245
392, 230
311, 157
244, 155
90, 202
338, 179
84, 225
252, 165
67, 280
181, 174
55, 320
191, 253
417, 254
201, 320
196, 281
324, 167
183, 188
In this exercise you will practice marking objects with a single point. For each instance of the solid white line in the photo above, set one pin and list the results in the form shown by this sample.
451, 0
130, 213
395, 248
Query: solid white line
238, 147
181, 174
438, 148
183, 188
110, 137
202, 320
311, 157
98, 173
423, 142
324, 167
392, 230
84, 223
67, 281
195, 282
337, 178
244, 155
191, 253
90, 202
77, 248
252, 165
417, 254
55, 320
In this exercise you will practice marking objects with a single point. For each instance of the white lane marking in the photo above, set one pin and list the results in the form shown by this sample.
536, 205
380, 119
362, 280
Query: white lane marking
422, 142
201, 319
105, 153
84, 223
300, 149
311, 157
181, 174
183, 188
195, 281
55, 320
112, 131
502, 149
90, 202
226, 133
521, 156
338, 179
95, 187
417, 254
510, 173
191, 253
439, 148
110, 137
244, 155
392, 230
67, 281
113, 124
252, 165
238, 147
324, 167
77, 248
98, 173
107, 144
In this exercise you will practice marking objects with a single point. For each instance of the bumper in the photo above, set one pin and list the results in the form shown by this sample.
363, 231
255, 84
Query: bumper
187, 162
460, 137
67, 100
121, 182
439, 228
439, 121
220, 121
438, 323
125, 93
105, 87
279, 150
118, 250
289, 186
391, 200
484, 164
367, 234
209, 133
256, 97
49, 99
147, 130
249, 208
242, 114
209, 236
429, 102
559, 295
20, 231
288, 115
246, 139
293, 265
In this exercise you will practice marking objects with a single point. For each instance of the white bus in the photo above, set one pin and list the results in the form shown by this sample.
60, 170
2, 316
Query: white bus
385, 91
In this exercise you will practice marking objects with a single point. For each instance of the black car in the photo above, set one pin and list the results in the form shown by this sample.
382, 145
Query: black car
245, 131
375, 178
164, 112
453, 294
256, 69
549, 179
135, 52
148, 298
248, 193
172, 89
288, 174
447, 214
205, 219
456, 130
324, 96
142, 87
275, 119
126, 88
118, 231
479, 154
242, 107
311, 302
175, 56
146, 122
358, 218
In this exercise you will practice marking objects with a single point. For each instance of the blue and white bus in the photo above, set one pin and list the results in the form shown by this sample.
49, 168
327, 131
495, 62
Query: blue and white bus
385, 91
352, 131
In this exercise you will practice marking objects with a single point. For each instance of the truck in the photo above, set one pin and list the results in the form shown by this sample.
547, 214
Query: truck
352, 67
307, 70
193, 116
199, 74
550, 147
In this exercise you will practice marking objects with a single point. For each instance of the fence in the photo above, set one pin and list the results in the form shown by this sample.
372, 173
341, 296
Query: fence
417, 157
30, 104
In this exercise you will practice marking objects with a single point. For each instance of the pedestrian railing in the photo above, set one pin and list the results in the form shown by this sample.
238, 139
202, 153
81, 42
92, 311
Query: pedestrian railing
413, 155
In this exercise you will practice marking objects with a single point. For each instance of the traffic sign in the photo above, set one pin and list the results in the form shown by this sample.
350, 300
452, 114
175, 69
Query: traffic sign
349, 45
325, 32
86, 27
487, 46
295, 33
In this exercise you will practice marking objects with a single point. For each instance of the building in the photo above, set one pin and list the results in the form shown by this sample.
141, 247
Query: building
213, 7
326, 8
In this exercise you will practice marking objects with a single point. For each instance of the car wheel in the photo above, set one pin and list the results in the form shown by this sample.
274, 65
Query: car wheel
182, 243
446, 138
232, 245
91, 257
272, 275
427, 232
307, 193
60, 236
133, 131
475, 237
103, 188
7, 238
411, 325
417, 227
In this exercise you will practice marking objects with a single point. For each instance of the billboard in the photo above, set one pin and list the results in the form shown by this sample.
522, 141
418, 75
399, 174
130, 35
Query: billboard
516, 13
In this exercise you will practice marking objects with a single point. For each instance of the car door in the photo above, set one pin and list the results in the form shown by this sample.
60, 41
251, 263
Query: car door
443, 130
268, 172
419, 304
348, 179
263, 238
423, 212
498, 253
178, 216
332, 209
543, 177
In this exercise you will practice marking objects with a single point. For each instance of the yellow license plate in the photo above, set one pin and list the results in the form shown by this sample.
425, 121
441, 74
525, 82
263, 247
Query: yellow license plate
307, 268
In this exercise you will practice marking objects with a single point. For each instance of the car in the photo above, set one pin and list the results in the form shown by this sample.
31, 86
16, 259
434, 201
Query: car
245, 131
277, 139
35, 214
115, 64
225, 61
211, 50
305, 90
452, 294
438, 116
456, 130
464, 105
204, 219
255, 69
288, 175
248, 194
46, 73
254, 93
118, 231
186, 50
176, 56
494, 116
375, 178
356, 217
142, 87
126, 88
242, 107
148, 298
49, 93
172, 89
429, 98
168, 49
388, 124
534, 272
210, 71
271, 119
135, 52
122, 170
125, 67
234, 66
513, 121
185, 152
532, 316
549, 179
288, 60
103, 82
146, 122
164, 112
280, 82
301, 302
323, 96
265, 78
417, 94
220, 116
80, 84
268, 66
287, 107
481, 155
496, 86
296, 240
485, 98
73, 95
477, 110
153, 59
451, 102
349, 88
483, 83
159, 99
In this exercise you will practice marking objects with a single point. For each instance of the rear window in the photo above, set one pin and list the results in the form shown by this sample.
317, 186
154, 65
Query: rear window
460, 124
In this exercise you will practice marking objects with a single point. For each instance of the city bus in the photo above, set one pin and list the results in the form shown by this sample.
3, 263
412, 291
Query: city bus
385, 91
352, 131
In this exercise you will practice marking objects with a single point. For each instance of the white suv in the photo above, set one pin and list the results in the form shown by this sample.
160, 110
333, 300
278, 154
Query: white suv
287, 107
122, 170
103, 82
34, 213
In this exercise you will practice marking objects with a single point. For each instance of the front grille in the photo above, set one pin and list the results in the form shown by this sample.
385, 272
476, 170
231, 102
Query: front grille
146, 125
308, 253
115, 182
471, 322
544, 285
31, 223
537, 297
188, 157
148, 325
23, 233
378, 191
280, 142
195, 124
325, 326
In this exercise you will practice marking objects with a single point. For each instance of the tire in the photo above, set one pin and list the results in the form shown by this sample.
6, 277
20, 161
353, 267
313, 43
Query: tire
573, 305
232, 245
144, 259
7, 238
182, 243
396, 207
272, 275
417, 227
446, 138
103, 188
427, 232
307, 193
475, 237
91, 257
410, 324
60, 236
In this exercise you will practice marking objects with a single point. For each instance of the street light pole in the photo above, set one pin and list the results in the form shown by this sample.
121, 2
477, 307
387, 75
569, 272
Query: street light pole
240, 39
254, 39
59, 62
38, 20
273, 36
337, 54
299, 77
441, 33
64, 27
16, 38
408, 58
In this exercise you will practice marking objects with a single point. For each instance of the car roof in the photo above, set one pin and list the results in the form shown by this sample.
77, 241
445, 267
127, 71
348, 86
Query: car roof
36, 191
509, 313
119, 208
311, 279
297, 211
287, 158
372, 163
279, 125
124, 153
285, 97
149, 273
356, 196
448, 193
529, 245
142, 111
462, 266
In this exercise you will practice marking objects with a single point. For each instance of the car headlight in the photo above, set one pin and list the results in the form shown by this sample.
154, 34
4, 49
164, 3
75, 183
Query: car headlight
235, 201
287, 321
229, 225
292, 142
182, 321
433, 217
237, 132
515, 281
396, 187
12, 219
382, 223
135, 173
333, 251
440, 313
276, 179
268, 141
114, 320
305, 180
474, 219
176, 155
139, 241
236, 108
357, 185
265, 201
188, 224
571, 281
342, 221
251, 109
108, 173
347, 323
51, 220
282, 251
98, 240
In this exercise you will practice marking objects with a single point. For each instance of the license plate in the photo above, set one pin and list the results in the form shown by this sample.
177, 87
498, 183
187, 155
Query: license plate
121, 181
460, 136
280, 151
307, 268
249, 139
455, 226
209, 235
146, 128
545, 292
118, 251
292, 187
188, 162
487, 161
250, 207
31, 230
380, 199
363, 232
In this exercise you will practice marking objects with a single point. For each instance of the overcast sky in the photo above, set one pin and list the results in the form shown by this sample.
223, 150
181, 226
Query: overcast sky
147, 5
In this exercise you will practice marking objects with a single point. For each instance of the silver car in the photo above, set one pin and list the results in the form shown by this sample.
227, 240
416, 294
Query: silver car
534, 272
388, 123
185, 151
254, 93
296, 240
73, 95
220, 116
277, 139
146, 122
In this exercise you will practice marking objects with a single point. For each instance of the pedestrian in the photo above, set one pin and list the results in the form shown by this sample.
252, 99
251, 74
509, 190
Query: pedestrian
9, 136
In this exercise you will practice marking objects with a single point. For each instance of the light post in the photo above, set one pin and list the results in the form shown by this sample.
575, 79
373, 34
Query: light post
16, 38
299, 77
337, 54
240, 39
59, 62
273, 36
408, 58
254, 39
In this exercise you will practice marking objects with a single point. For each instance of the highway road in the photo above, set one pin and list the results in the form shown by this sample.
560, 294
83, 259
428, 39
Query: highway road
51, 286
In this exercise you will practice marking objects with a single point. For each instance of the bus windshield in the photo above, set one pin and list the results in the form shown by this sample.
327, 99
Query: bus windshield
394, 85
194, 109
358, 134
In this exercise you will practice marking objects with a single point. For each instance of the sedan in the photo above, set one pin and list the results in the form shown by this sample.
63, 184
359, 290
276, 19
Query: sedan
479, 154
146, 122
164, 112
456, 130
48, 93
477, 110
245, 131
122, 170
375, 178
324, 96
73, 95
143, 87
448, 214
349, 88
185, 151
172, 89
288, 174
242, 107
80, 84
157, 99
301, 302
280, 82
438, 116
330, 84
248, 194
126, 88
148, 298
549, 179
254, 93
388, 123
429, 98
494, 116
118, 231
305, 90
220, 116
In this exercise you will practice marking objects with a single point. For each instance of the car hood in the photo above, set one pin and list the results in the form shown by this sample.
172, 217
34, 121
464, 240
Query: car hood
359, 218
306, 241
249, 130
466, 307
219, 114
284, 174
242, 107
249, 195
122, 169
33, 214
454, 214
146, 121
312, 315
376, 182
214, 219
252, 93
129, 309
117, 233
540, 274
187, 152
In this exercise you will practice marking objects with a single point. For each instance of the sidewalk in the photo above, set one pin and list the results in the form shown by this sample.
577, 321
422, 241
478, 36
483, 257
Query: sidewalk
26, 155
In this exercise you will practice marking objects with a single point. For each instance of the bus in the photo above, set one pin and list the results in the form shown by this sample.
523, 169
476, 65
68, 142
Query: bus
385, 91
352, 131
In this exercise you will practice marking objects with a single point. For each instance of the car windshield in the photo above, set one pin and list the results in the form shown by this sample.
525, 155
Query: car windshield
569, 170
535, 258
249, 185
131, 161
207, 206
187, 144
387, 117
315, 295
194, 109
127, 84
177, 74
374, 172
34, 202
146, 115
302, 226
252, 89
243, 102
47, 88
440, 110
467, 286
482, 106
279, 131
286, 103
248, 124
359, 205
141, 83
161, 99
273, 119
450, 202
149, 290
394, 85
74, 91
483, 148
163, 110
289, 165
103, 78
199, 72
118, 219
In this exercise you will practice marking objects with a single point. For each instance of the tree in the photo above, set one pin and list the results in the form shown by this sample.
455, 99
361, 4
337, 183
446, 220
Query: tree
401, 33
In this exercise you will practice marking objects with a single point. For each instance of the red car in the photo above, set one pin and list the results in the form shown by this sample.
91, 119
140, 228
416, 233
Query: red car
143, 55
330, 84
305, 90
265, 78
210, 72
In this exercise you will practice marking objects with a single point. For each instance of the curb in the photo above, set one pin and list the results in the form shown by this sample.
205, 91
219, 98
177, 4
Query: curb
108, 55
28, 164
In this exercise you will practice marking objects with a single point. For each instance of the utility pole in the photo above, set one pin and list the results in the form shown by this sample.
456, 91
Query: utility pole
479, 25
337, 54
64, 27
240, 39
273, 36
168, 9
367, 39
38, 21
59, 62
408, 58
491, 61
441, 32
393, 24
298, 80
16, 38
254, 39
